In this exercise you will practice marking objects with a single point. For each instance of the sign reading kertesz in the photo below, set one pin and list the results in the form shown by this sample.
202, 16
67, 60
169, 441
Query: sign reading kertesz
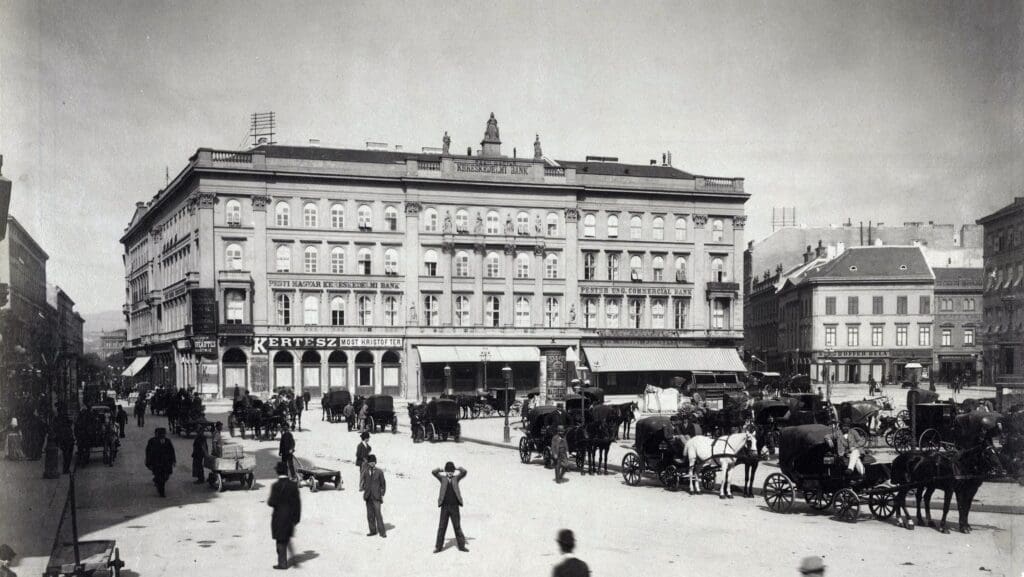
260, 345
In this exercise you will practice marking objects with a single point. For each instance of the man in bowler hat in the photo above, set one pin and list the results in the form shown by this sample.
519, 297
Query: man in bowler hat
570, 565
284, 498
373, 486
449, 500
160, 459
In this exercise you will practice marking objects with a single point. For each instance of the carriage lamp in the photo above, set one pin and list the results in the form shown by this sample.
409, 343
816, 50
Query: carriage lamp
507, 373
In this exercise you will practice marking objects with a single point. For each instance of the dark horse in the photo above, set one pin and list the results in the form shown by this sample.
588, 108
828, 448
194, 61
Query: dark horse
609, 415
600, 435
750, 457
959, 473
627, 414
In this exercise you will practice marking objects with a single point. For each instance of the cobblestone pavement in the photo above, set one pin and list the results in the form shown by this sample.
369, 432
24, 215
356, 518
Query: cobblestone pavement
512, 514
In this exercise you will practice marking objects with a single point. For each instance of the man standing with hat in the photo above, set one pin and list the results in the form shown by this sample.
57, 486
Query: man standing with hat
559, 452
449, 500
812, 566
570, 565
363, 451
160, 459
284, 498
373, 486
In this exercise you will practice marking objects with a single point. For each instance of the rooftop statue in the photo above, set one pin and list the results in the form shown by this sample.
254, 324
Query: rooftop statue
537, 154
446, 143
491, 134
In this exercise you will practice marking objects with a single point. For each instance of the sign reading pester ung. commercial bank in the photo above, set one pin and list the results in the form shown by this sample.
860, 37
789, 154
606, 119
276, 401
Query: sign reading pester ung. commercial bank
260, 345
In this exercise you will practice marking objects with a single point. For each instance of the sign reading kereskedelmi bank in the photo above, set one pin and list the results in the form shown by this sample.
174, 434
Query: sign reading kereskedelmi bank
260, 345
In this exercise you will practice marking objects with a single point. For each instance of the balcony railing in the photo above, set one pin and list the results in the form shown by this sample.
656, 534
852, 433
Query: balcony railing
554, 171
234, 329
430, 165
228, 156
719, 184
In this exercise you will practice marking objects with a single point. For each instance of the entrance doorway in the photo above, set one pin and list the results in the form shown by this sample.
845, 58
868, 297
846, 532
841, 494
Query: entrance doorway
364, 373
311, 373
337, 370
235, 373
284, 364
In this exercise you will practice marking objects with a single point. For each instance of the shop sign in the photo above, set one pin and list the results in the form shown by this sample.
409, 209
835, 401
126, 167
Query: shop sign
204, 311
638, 333
334, 284
204, 345
636, 290
260, 345
183, 344
492, 167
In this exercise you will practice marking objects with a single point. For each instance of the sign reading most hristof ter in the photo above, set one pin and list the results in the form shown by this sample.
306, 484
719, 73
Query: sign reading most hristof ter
260, 345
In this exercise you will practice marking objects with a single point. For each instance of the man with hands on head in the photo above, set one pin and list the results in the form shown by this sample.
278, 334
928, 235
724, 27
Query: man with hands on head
449, 500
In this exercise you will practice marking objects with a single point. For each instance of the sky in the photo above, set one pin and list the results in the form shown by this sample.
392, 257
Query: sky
891, 111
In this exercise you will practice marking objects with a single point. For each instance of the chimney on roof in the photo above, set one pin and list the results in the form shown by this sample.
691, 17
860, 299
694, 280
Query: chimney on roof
469, 151
808, 254
140, 204
669, 153
840, 248
664, 160
654, 162
821, 250
778, 268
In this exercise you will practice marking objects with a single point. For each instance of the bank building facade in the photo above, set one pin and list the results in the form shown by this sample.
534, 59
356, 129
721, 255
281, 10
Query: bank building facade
402, 273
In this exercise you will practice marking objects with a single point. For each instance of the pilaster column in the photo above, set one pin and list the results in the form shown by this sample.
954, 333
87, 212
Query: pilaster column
447, 271
413, 258
601, 315
572, 258
739, 222
378, 373
537, 306
325, 372
508, 306
477, 310
699, 261
202, 204
260, 260
296, 372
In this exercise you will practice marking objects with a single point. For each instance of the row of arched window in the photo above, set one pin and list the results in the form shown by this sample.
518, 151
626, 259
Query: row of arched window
310, 217
493, 265
636, 228
636, 268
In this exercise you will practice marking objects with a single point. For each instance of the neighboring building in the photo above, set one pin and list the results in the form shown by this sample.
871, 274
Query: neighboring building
26, 315
1003, 308
944, 245
957, 308
375, 270
113, 342
865, 313
42, 334
66, 328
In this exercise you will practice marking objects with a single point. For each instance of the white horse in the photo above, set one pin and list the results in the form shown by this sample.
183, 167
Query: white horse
701, 449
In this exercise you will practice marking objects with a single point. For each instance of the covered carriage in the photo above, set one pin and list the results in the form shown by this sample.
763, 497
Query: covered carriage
660, 451
504, 400
335, 401
811, 469
94, 432
808, 409
380, 413
439, 420
770, 415
577, 407
727, 413
541, 424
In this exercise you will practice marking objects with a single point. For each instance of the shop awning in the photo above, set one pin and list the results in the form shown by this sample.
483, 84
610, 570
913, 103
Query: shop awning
137, 365
625, 359
474, 354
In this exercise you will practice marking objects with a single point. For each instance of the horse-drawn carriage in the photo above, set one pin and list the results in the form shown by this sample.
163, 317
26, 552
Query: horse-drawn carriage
726, 413
159, 400
380, 413
95, 432
770, 416
541, 425
578, 408
928, 422
809, 409
334, 403
504, 400
265, 418
439, 419
658, 450
810, 467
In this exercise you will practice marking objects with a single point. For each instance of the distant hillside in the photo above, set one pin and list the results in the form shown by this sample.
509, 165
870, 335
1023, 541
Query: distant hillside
103, 321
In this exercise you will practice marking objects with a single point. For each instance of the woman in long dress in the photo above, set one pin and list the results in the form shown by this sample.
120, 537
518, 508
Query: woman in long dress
14, 449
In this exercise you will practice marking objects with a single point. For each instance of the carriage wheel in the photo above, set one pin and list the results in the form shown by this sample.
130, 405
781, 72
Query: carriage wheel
902, 440
219, 482
779, 493
847, 505
631, 469
889, 437
819, 500
882, 505
858, 437
394, 424
903, 416
670, 477
524, 451
930, 439
707, 479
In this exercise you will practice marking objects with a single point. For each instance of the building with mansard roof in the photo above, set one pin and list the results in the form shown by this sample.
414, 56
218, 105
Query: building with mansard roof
384, 271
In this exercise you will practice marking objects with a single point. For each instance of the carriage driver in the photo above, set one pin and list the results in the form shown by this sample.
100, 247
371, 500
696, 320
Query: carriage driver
839, 441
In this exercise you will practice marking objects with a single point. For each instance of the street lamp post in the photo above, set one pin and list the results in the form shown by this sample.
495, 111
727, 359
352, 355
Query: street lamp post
830, 376
448, 380
507, 373
485, 355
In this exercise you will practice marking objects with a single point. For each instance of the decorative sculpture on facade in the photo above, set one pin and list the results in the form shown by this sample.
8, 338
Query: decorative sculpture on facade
446, 144
537, 154
447, 222
478, 228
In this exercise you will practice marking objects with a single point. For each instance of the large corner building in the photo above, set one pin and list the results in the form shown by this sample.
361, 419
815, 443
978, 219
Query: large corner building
410, 273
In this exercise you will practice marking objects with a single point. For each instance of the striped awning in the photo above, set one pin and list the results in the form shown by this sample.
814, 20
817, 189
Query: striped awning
137, 365
475, 354
626, 359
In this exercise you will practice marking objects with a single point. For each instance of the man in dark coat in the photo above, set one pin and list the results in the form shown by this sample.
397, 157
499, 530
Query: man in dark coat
449, 500
363, 450
373, 486
66, 440
122, 420
140, 412
287, 451
284, 498
570, 565
160, 459
200, 450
